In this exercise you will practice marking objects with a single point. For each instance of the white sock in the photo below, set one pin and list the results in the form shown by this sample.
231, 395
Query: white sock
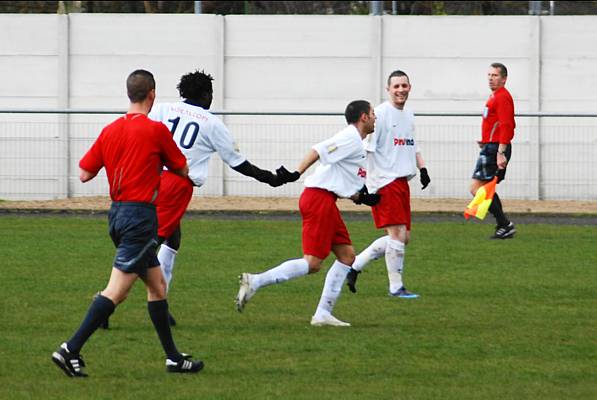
166, 257
395, 263
287, 270
373, 252
332, 288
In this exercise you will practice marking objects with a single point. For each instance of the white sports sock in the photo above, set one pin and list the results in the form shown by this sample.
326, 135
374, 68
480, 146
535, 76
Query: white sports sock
332, 288
287, 270
373, 252
166, 257
395, 263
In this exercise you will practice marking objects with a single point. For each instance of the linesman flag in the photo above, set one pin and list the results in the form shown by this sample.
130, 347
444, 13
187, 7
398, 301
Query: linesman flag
479, 206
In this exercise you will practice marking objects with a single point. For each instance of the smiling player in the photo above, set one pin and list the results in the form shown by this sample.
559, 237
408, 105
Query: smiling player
393, 159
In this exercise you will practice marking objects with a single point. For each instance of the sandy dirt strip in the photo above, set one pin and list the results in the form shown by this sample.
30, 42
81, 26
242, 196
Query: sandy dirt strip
280, 204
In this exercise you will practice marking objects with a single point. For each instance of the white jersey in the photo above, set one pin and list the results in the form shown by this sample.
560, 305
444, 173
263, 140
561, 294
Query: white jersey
391, 148
342, 163
198, 133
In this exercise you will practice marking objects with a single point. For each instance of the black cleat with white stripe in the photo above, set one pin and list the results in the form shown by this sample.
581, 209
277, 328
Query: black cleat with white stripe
186, 364
72, 364
504, 232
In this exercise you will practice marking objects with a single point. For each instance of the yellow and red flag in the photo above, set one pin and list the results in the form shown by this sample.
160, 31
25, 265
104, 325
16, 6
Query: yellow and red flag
479, 206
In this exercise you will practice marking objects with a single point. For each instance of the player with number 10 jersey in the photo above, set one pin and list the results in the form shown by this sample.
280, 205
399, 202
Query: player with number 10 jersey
198, 133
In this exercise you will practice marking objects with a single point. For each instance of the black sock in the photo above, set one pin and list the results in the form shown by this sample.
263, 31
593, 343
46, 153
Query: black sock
158, 311
496, 209
101, 308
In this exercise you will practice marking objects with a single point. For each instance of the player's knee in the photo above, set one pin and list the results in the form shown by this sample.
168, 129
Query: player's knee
314, 266
156, 293
347, 259
116, 297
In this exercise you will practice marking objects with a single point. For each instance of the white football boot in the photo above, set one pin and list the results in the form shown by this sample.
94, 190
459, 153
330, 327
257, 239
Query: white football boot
327, 320
245, 292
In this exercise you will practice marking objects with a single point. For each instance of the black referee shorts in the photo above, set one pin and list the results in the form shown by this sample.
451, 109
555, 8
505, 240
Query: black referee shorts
486, 167
134, 230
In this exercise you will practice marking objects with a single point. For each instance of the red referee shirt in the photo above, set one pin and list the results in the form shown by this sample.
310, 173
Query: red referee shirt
498, 118
133, 149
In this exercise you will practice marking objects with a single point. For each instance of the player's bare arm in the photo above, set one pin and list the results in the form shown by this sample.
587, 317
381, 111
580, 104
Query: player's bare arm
85, 175
286, 176
307, 161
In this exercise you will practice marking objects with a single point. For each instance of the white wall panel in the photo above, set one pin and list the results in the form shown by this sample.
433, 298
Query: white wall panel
306, 36
434, 37
294, 84
28, 76
569, 63
143, 34
22, 34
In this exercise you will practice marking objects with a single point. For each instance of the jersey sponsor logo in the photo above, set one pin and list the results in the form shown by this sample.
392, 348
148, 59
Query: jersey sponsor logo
184, 111
404, 142
362, 173
331, 148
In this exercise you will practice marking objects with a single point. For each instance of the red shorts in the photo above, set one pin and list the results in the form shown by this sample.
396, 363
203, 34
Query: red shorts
323, 226
394, 206
173, 198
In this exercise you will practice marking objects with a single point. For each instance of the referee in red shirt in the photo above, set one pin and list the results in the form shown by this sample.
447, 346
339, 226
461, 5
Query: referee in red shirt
497, 133
133, 150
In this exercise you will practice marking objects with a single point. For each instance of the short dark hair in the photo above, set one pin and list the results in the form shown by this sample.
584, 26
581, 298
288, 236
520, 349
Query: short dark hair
195, 85
355, 109
138, 85
397, 73
502, 68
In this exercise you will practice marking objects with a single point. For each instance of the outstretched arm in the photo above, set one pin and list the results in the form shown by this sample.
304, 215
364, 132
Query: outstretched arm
307, 161
286, 176
248, 169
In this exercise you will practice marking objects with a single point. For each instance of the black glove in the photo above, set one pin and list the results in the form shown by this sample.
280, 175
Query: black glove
286, 176
248, 169
425, 179
351, 280
366, 198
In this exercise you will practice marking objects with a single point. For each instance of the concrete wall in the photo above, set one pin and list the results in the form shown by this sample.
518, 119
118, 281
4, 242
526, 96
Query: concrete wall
301, 63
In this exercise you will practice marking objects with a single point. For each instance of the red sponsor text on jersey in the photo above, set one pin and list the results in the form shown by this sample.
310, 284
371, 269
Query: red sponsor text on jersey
362, 173
133, 149
404, 142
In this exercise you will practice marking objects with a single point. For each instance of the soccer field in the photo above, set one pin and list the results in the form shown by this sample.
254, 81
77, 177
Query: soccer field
513, 319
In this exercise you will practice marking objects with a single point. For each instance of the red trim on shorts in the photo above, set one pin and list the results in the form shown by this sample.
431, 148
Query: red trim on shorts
323, 226
394, 206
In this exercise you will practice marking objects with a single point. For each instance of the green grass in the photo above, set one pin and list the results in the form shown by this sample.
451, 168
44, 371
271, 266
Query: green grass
512, 319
